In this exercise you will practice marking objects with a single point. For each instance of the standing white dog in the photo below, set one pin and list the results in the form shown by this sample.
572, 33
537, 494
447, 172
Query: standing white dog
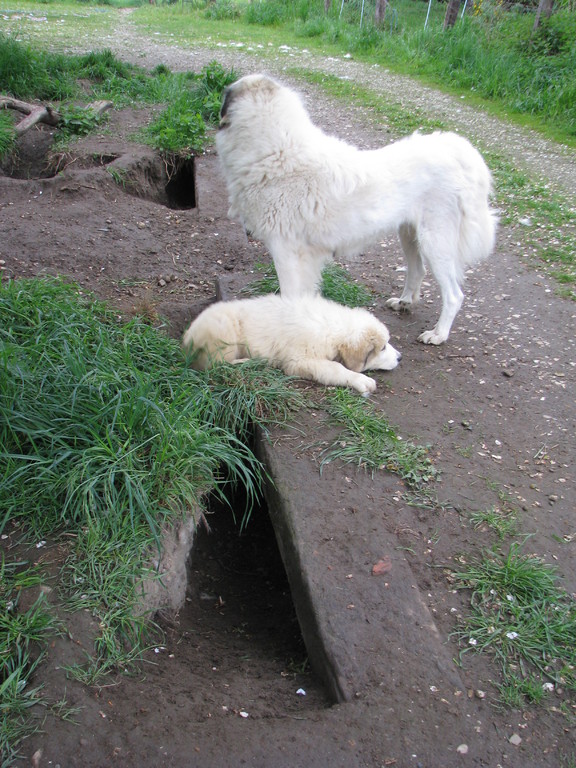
309, 196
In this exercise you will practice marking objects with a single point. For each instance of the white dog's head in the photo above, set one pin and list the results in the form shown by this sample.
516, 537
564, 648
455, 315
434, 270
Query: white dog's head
258, 89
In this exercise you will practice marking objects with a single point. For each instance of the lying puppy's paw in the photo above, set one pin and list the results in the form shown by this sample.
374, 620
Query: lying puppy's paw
364, 384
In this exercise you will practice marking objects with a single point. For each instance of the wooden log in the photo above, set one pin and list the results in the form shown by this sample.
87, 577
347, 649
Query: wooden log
41, 113
36, 113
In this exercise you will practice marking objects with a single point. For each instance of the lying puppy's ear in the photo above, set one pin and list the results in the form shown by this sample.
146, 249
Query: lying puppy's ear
354, 353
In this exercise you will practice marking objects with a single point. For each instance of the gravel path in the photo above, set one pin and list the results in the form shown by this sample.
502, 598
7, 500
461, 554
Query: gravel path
553, 163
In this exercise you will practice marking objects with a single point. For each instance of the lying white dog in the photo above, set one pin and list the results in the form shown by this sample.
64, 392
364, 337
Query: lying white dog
309, 196
311, 338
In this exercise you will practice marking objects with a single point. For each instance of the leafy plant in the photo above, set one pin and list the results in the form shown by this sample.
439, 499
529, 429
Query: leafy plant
77, 121
181, 127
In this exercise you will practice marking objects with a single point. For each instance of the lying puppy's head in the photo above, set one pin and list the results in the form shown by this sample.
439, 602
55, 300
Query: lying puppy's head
370, 351
258, 88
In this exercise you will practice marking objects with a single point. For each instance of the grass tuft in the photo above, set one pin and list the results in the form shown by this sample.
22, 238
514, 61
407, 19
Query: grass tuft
105, 433
524, 620
370, 442
337, 285
24, 633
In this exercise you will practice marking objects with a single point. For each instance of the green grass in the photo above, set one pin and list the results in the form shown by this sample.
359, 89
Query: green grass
337, 285
502, 522
106, 436
524, 620
370, 442
383, 112
24, 635
549, 229
7, 135
192, 99
181, 127
489, 55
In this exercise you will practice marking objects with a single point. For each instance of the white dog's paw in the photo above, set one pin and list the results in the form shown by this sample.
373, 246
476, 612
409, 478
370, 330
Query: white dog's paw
364, 384
432, 337
398, 305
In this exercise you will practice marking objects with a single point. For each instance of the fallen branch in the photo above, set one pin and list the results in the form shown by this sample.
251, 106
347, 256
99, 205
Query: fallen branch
37, 113
40, 113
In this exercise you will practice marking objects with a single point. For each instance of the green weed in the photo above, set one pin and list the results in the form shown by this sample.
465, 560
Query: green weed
24, 634
524, 620
182, 126
370, 442
77, 121
337, 285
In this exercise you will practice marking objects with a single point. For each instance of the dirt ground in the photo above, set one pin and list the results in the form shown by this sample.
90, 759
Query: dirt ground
230, 685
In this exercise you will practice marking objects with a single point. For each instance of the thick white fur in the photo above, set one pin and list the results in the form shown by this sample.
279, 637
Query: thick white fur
310, 337
309, 196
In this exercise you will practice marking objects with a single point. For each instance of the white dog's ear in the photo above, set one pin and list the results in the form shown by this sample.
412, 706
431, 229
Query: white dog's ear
227, 98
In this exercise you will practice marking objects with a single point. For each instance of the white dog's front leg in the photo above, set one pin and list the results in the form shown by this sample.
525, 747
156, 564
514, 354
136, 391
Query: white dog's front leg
299, 269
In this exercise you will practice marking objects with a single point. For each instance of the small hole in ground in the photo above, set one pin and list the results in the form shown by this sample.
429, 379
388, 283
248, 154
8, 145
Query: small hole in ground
240, 617
181, 186
104, 159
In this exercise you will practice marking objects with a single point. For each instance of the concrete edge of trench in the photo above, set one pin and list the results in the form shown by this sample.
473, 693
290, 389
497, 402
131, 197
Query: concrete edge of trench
361, 628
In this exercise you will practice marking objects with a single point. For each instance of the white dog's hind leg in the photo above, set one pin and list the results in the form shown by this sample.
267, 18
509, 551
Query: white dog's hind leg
452, 298
415, 271
331, 373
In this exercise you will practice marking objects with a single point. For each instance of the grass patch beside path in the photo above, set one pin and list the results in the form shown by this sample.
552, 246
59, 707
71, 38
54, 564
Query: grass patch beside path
192, 100
370, 442
525, 621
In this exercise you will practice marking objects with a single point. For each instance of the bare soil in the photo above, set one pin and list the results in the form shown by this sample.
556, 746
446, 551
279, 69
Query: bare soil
230, 686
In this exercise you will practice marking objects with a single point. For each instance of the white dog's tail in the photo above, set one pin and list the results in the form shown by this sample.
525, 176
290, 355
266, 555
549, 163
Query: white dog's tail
477, 233
478, 220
